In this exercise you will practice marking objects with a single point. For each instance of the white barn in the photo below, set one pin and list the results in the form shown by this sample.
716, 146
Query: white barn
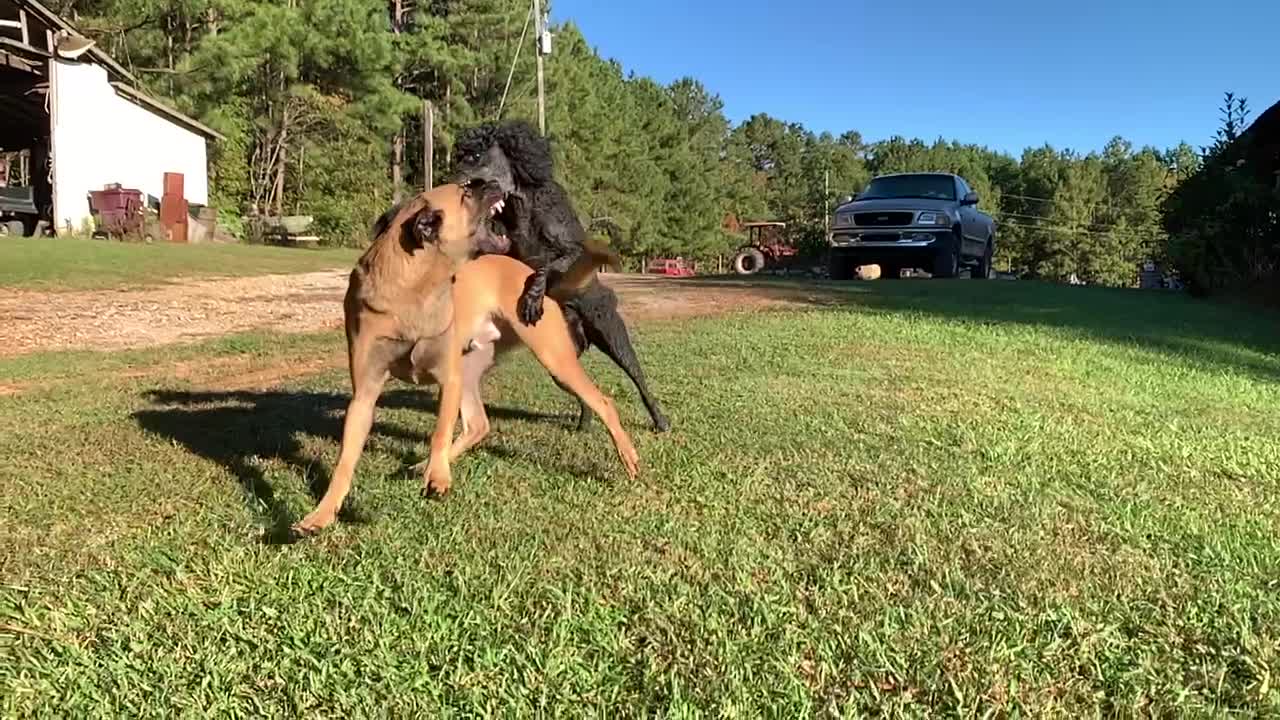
85, 122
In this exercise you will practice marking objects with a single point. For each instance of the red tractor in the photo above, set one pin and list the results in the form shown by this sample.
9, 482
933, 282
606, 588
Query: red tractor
767, 248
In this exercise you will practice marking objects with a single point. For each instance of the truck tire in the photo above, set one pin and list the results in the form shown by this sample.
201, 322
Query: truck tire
12, 227
982, 271
947, 262
839, 268
748, 261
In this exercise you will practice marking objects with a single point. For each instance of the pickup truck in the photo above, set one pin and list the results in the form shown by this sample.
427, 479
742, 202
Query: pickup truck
913, 220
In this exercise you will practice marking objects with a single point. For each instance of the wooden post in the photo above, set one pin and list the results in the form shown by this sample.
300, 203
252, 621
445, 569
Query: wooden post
428, 143
397, 164
51, 156
397, 145
26, 34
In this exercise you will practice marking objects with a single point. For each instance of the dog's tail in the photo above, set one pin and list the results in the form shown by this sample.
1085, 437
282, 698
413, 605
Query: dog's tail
583, 271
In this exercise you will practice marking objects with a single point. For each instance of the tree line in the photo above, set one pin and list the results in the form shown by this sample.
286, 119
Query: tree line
321, 103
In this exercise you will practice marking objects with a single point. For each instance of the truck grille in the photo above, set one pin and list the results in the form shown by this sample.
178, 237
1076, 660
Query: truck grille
882, 219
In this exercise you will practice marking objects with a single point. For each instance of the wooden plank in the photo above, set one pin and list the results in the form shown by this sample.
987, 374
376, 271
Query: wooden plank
8, 59
26, 34
23, 49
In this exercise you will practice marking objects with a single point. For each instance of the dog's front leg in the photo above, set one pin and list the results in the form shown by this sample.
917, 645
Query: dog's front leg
564, 249
529, 306
368, 376
439, 476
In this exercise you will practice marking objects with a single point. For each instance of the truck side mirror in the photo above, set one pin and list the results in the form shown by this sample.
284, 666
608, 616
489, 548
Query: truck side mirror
846, 199
970, 198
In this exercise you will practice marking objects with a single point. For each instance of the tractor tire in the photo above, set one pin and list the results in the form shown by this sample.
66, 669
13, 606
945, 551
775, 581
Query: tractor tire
748, 261
947, 263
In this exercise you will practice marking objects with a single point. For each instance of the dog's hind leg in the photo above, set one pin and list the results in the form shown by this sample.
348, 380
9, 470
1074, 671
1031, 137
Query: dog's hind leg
553, 347
605, 329
475, 423
574, 322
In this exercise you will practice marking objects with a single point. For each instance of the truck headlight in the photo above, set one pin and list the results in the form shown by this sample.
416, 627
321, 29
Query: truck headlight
844, 219
933, 218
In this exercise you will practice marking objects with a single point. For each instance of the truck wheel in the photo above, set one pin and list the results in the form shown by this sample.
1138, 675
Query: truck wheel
748, 261
13, 227
982, 271
947, 262
839, 268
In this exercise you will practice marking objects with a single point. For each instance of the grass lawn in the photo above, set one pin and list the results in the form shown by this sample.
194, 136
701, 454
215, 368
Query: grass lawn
79, 264
913, 498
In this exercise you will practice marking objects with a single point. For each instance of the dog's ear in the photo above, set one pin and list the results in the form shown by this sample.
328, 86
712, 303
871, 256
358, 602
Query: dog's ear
528, 152
425, 226
383, 223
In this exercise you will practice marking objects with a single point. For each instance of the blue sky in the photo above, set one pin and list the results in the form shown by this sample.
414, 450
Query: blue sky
1004, 73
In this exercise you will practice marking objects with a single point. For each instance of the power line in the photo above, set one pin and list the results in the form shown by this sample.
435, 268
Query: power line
1107, 205
1082, 231
1103, 227
516, 58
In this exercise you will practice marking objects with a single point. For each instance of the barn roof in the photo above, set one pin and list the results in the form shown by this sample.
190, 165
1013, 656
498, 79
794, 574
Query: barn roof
123, 80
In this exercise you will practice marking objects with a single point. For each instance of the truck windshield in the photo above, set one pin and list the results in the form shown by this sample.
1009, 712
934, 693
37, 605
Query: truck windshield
937, 187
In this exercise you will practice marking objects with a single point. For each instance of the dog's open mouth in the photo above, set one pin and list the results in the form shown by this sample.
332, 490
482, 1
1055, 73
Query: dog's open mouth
496, 226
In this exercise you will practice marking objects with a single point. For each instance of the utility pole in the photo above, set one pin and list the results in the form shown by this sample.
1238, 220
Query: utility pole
542, 42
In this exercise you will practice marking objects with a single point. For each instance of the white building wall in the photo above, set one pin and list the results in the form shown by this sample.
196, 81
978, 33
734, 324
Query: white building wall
100, 137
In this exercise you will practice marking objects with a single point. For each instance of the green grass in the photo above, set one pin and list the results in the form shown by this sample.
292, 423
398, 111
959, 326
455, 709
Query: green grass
912, 499
80, 264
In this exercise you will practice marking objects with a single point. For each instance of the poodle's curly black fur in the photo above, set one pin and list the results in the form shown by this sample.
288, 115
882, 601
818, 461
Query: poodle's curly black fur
545, 233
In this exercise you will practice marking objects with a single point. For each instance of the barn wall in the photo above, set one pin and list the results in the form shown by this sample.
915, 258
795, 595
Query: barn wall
100, 137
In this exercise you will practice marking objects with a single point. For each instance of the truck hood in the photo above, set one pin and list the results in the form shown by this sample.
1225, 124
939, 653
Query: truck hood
896, 204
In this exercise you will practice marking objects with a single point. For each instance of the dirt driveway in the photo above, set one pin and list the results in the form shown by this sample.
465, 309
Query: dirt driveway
191, 310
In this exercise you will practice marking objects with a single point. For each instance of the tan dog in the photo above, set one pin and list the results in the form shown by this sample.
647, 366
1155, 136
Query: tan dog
495, 331
413, 304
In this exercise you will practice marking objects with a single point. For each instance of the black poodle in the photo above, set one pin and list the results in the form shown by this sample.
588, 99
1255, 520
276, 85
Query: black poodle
545, 234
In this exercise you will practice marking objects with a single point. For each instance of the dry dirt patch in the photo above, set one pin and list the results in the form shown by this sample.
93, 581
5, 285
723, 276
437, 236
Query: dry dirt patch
182, 311
190, 310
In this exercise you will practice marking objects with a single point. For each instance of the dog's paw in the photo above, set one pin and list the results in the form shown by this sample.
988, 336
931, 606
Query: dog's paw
435, 482
313, 523
529, 308
630, 460
435, 489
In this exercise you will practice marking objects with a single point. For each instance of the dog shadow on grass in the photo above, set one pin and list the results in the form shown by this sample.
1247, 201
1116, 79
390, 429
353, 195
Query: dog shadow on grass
246, 430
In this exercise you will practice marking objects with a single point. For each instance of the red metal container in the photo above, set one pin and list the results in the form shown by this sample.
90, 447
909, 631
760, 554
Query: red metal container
119, 209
